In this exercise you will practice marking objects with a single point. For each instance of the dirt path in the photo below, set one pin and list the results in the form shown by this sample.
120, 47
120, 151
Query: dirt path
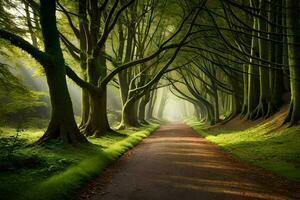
176, 164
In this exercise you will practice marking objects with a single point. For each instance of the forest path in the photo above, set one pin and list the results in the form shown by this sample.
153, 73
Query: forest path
175, 163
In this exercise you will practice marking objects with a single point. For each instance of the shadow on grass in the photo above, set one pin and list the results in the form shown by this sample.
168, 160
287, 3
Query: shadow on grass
266, 145
56, 170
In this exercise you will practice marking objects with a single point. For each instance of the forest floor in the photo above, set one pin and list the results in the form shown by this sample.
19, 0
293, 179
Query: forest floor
175, 163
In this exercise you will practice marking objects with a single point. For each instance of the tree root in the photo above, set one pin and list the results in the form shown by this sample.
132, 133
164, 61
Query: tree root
66, 134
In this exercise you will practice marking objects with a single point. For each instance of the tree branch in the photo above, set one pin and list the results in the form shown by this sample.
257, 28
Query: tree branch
81, 83
19, 42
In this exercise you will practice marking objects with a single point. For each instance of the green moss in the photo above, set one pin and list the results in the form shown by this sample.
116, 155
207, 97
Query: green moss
59, 170
266, 145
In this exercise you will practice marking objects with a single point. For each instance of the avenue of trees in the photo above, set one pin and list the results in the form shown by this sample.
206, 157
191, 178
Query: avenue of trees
246, 63
227, 58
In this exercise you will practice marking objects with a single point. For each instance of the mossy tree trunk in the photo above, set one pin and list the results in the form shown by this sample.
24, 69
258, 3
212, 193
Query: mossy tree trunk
197, 111
162, 103
97, 123
142, 108
94, 69
129, 110
62, 124
215, 96
253, 81
151, 104
264, 88
210, 113
83, 41
129, 115
293, 22
236, 102
275, 56
245, 91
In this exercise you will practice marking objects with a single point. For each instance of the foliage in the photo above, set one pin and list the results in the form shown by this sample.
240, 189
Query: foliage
19, 103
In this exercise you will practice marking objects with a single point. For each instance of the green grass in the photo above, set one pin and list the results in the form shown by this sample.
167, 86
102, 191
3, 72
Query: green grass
56, 171
265, 145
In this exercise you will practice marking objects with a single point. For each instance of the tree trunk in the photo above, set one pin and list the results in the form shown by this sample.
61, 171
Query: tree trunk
97, 123
162, 104
142, 108
85, 106
129, 116
264, 92
236, 104
30, 26
253, 92
276, 56
149, 113
83, 27
129, 111
141, 111
245, 91
210, 114
196, 112
124, 86
293, 16
62, 124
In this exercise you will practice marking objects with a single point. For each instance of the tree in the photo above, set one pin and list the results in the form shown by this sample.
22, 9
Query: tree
62, 125
293, 31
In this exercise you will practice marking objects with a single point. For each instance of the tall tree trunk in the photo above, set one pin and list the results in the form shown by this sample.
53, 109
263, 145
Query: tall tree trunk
85, 107
129, 111
62, 124
215, 96
83, 40
141, 111
264, 92
149, 113
129, 115
245, 91
216, 105
210, 114
293, 22
276, 56
124, 86
253, 86
236, 105
162, 103
196, 111
97, 123
142, 108
30, 26
285, 59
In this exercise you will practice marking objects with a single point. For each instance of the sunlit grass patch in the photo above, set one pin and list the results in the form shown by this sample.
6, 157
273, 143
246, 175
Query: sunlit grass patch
266, 145
58, 169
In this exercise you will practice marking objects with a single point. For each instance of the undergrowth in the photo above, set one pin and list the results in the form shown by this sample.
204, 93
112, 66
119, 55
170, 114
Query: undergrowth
56, 171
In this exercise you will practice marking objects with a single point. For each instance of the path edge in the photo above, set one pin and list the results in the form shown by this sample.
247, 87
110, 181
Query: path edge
48, 190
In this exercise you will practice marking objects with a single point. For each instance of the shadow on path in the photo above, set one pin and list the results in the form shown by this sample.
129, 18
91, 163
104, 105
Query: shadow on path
174, 163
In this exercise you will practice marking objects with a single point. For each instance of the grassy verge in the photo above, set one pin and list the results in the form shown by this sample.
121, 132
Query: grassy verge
266, 145
56, 171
